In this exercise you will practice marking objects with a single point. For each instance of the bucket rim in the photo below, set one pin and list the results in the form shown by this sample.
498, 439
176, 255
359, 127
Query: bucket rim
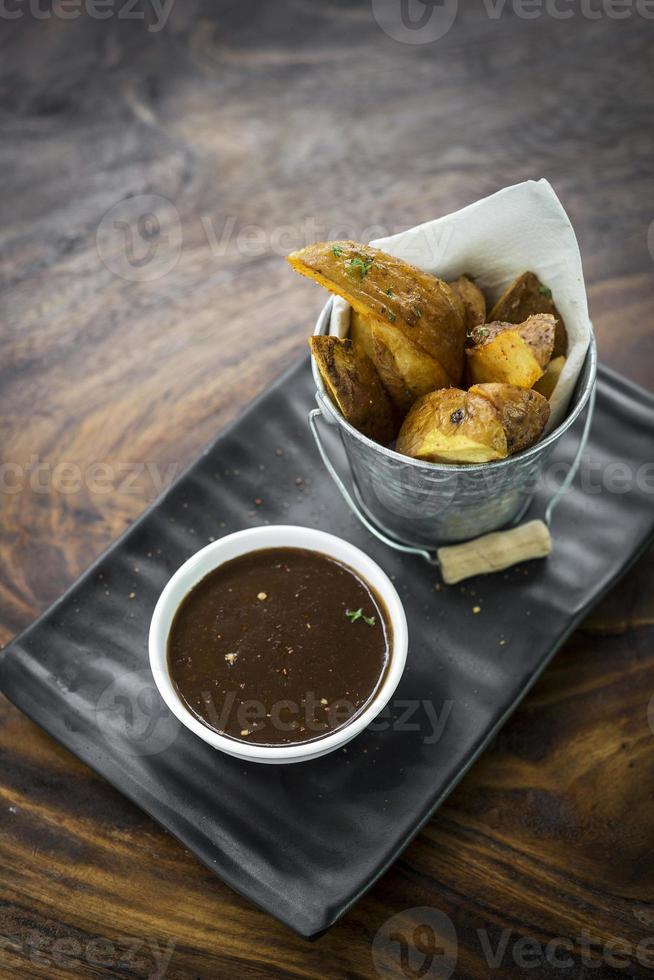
325, 402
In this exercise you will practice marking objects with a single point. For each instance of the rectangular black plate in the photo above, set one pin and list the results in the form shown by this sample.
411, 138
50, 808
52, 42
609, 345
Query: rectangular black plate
305, 841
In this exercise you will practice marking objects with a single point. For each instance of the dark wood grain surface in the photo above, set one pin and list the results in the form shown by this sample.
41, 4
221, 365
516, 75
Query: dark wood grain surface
263, 127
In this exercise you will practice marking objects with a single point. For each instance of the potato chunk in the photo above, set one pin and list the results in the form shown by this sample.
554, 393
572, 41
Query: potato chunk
355, 387
361, 333
387, 290
549, 381
523, 413
407, 372
472, 300
511, 354
524, 297
453, 426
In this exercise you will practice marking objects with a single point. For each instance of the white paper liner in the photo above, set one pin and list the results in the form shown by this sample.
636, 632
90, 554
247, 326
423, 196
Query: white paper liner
520, 228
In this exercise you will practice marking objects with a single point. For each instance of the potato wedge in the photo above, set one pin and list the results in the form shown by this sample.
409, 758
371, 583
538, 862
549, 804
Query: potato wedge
361, 333
511, 354
453, 426
386, 290
471, 299
523, 413
549, 381
524, 297
407, 372
355, 387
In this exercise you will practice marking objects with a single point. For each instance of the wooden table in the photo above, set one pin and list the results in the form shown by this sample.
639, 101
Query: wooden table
265, 126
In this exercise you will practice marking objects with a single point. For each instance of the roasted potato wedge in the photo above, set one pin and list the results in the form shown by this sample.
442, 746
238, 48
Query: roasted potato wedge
453, 426
523, 413
387, 290
511, 354
548, 382
407, 372
472, 301
355, 387
524, 297
361, 333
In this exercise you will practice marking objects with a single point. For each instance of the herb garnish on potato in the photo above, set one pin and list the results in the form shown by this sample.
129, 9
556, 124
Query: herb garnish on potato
386, 290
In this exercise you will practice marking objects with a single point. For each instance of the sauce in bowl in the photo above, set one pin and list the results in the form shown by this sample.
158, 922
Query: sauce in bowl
279, 646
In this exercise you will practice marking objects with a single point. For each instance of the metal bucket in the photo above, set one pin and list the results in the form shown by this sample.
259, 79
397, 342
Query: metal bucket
425, 505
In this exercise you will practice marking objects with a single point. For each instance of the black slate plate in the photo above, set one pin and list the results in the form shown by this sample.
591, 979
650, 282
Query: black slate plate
305, 841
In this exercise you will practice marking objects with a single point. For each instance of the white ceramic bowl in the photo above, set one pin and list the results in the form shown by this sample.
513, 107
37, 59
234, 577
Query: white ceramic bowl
253, 539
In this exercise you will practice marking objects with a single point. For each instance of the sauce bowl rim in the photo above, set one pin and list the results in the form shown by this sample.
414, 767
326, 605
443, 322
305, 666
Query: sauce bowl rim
238, 543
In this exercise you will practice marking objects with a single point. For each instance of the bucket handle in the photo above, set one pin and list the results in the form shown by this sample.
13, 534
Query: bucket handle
481, 554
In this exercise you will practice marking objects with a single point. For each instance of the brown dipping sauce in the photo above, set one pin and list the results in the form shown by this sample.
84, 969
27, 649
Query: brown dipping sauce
279, 646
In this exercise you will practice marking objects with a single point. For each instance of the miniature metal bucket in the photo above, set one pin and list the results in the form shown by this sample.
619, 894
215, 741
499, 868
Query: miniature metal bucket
425, 505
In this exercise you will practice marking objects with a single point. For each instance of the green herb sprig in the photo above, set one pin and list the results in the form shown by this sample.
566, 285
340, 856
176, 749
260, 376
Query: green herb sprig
362, 266
546, 291
354, 614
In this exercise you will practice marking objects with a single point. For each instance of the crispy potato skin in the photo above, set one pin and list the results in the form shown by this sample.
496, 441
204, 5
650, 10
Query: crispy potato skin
355, 387
407, 372
522, 299
511, 354
539, 331
523, 413
548, 382
387, 290
472, 301
453, 426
